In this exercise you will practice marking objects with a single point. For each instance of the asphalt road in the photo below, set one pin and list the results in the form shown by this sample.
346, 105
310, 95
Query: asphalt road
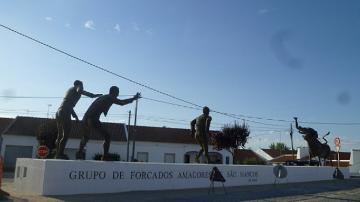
335, 190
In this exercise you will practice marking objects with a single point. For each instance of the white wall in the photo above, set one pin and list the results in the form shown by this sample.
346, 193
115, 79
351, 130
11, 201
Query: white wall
19, 141
82, 177
355, 162
302, 152
156, 150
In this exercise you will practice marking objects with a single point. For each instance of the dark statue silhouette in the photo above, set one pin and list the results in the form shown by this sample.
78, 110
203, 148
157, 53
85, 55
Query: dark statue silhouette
200, 130
91, 119
321, 150
64, 113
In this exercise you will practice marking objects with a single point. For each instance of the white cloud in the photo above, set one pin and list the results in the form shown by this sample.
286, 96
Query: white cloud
135, 27
89, 24
67, 25
263, 11
149, 32
48, 19
117, 27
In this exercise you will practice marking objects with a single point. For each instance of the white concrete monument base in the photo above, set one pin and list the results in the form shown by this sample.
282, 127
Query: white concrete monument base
66, 177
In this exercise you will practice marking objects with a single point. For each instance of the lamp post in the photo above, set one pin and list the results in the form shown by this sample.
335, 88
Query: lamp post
48, 110
134, 131
128, 138
292, 142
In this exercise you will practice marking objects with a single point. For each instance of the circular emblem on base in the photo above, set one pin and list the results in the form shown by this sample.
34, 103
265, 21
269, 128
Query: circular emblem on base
280, 171
42, 151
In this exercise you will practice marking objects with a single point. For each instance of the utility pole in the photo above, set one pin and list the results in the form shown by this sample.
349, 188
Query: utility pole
134, 131
292, 143
48, 110
128, 138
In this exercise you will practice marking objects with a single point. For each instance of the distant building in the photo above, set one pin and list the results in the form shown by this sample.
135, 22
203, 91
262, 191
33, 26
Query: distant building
272, 156
355, 162
247, 157
153, 144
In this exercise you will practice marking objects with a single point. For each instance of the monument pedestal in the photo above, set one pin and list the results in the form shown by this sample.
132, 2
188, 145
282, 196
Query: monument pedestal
67, 177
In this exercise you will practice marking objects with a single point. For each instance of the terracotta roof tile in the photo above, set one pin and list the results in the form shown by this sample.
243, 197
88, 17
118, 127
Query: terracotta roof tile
29, 126
275, 153
241, 154
333, 156
4, 123
343, 155
283, 158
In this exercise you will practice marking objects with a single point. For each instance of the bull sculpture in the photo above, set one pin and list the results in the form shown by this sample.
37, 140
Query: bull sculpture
316, 148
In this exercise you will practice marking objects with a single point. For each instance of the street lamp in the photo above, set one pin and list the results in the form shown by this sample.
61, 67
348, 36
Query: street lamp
48, 110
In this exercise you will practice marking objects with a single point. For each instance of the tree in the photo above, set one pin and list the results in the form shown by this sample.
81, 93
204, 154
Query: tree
280, 146
231, 137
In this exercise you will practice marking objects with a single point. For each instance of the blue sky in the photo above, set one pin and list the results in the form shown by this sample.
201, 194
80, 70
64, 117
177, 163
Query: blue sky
271, 59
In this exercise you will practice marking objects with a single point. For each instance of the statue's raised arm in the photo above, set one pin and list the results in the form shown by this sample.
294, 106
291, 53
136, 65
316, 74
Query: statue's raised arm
296, 123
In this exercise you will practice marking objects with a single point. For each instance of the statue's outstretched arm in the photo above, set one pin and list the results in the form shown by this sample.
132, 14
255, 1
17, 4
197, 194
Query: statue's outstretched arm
88, 94
126, 101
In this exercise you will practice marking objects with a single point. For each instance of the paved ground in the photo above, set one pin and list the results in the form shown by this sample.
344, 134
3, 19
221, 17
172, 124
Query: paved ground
336, 190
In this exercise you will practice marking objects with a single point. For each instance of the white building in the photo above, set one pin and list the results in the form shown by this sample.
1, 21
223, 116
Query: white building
355, 162
272, 156
153, 144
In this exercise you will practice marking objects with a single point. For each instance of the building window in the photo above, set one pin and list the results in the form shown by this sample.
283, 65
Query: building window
142, 156
169, 158
227, 160
216, 158
71, 153
15, 151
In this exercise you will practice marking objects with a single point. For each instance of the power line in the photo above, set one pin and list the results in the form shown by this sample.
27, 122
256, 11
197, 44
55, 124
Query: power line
243, 119
43, 97
143, 117
159, 101
262, 118
170, 103
331, 123
235, 116
29, 97
97, 67
113, 73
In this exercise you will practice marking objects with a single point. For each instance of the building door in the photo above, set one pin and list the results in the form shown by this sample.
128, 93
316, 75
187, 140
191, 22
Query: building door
189, 156
143, 157
12, 152
169, 158
216, 158
71, 153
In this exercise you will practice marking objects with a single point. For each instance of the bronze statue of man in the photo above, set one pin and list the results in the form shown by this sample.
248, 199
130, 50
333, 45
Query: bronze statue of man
91, 120
200, 128
64, 113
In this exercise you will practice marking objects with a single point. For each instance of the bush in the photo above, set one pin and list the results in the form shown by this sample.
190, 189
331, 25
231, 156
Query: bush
112, 157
